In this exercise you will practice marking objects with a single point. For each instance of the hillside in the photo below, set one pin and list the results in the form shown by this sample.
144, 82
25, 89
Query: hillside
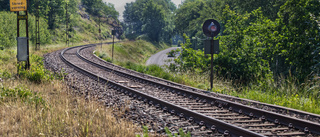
82, 23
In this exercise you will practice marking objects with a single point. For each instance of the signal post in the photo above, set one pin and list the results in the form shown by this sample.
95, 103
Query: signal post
211, 28
23, 42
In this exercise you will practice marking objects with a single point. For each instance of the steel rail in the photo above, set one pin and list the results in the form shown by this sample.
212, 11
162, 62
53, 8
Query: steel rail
303, 125
209, 122
280, 109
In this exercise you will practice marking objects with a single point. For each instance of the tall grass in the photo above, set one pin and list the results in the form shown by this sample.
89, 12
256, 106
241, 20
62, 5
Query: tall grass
287, 92
38, 103
153, 70
63, 115
129, 51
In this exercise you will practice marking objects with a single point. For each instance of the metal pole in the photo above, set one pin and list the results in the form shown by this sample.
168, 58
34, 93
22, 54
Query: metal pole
119, 30
67, 40
27, 32
211, 52
18, 27
100, 31
37, 27
112, 46
18, 34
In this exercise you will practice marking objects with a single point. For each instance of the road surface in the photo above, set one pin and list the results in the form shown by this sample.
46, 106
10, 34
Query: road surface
161, 57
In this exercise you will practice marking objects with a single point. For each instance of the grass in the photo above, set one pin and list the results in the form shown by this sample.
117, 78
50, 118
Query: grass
286, 92
136, 52
40, 104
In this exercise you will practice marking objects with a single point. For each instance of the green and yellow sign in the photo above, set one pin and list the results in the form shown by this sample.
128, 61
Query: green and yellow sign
18, 5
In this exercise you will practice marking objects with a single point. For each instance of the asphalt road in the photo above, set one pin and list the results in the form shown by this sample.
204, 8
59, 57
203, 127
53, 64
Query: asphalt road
161, 57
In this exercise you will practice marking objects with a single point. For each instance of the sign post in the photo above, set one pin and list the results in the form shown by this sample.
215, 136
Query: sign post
211, 28
23, 42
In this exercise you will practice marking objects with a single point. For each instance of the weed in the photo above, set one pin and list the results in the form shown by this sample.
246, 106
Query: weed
37, 72
23, 94
181, 133
5, 74
169, 134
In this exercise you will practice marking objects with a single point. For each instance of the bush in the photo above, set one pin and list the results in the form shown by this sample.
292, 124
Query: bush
37, 72
5, 74
172, 53
23, 94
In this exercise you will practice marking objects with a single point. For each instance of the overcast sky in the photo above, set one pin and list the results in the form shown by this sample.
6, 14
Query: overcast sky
119, 4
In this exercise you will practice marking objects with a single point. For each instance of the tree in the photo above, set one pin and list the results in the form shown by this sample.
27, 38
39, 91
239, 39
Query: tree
154, 20
149, 17
186, 15
4, 5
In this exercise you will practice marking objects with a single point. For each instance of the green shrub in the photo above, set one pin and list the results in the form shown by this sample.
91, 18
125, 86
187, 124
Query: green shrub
181, 133
172, 53
23, 94
5, 74
37, 72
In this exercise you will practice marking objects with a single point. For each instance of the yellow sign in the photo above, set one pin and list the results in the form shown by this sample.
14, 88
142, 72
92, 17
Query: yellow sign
18, 5
22, 17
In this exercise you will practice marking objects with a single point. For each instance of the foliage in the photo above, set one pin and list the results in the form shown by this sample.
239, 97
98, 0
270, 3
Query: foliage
187, 15
24, 94
53, 20
145, 132
99, 8
172, 53
153, 18
269, 8
8, 33
37, 73
153, 70
271, 46
169, 134
181, 133
191, 60
130, 51
254, 45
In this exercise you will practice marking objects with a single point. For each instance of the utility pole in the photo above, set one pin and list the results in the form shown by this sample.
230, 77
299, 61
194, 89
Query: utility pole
100, 30
67, 27
37, 27
113, 33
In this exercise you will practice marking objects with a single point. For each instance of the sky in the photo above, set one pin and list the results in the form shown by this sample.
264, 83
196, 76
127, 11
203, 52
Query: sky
119, 4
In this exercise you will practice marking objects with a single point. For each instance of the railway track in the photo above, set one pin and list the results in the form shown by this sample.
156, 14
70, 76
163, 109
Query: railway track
190, 108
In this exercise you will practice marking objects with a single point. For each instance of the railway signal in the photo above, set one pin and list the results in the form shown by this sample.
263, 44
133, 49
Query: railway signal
211, 28
23, 42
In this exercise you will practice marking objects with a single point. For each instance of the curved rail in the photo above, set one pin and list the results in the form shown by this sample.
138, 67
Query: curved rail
259, 105
166, 106
233, 106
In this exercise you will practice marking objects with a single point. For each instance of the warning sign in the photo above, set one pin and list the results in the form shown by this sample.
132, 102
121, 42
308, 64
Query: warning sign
18, 5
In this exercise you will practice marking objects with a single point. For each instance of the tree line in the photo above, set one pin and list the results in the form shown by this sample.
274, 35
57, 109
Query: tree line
55, 13
150, 18
259, 39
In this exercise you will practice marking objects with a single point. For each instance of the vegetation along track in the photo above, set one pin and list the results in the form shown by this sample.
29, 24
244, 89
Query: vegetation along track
211, 112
